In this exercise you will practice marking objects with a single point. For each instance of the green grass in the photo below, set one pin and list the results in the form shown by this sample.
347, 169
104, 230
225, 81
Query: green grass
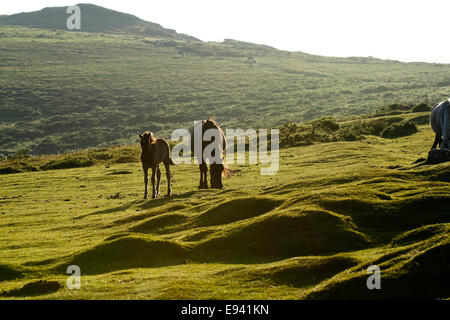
309, 232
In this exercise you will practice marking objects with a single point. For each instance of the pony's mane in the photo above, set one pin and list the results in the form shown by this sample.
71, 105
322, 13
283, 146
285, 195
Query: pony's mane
211, 124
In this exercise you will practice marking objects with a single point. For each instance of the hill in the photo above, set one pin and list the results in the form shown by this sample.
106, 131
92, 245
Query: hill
63, 90
94, 19
310, 232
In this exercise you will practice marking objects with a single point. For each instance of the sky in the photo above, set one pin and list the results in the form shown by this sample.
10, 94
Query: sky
405, 30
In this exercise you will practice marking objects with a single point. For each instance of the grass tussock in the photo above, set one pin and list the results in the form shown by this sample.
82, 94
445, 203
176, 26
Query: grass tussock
68, 163
130, 252
303, 234
35, 288
24, 162
401, 129
327, 129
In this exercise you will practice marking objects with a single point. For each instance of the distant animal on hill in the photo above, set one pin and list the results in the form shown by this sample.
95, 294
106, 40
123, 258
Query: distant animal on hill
252, 61
440, 123
217, 165
154, 151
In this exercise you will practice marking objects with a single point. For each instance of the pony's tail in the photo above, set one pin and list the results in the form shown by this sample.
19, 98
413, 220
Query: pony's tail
227, 172
171, 162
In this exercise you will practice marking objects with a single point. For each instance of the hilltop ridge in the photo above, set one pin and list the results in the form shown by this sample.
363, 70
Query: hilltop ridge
94, 19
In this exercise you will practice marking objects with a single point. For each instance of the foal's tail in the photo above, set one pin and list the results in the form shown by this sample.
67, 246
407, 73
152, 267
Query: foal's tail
171, 162
227, 172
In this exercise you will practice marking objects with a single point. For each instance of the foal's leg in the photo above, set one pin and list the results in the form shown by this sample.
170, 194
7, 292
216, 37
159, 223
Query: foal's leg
169, 188
201, 177
203, 174
153, 183
158, 180
205, 177
145, 182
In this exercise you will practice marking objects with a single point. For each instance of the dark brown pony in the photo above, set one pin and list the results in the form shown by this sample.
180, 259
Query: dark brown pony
155, 151
217, 169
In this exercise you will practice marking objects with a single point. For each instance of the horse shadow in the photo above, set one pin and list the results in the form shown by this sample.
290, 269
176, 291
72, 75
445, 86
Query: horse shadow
153, 203
111, 210
141, 204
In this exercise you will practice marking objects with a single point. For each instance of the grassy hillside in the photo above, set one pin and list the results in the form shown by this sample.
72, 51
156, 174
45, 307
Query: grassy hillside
62, 90
93, 19
309, 232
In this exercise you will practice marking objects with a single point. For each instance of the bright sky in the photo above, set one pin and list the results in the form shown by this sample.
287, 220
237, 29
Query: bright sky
406, 30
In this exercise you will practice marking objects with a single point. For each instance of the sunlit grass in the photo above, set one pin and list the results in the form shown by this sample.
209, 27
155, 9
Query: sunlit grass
308, 232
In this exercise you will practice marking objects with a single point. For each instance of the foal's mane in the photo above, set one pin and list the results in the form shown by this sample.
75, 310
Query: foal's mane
151, 139
150, 136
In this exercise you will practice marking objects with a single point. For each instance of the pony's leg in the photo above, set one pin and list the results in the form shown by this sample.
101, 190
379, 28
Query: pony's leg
169, 187
437, 139
212, 177
445, 133
153, 183
145, 182
216, 176
444, 128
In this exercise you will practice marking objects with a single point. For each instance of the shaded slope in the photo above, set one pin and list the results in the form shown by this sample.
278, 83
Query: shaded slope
301, 272
395, 214
420, 273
